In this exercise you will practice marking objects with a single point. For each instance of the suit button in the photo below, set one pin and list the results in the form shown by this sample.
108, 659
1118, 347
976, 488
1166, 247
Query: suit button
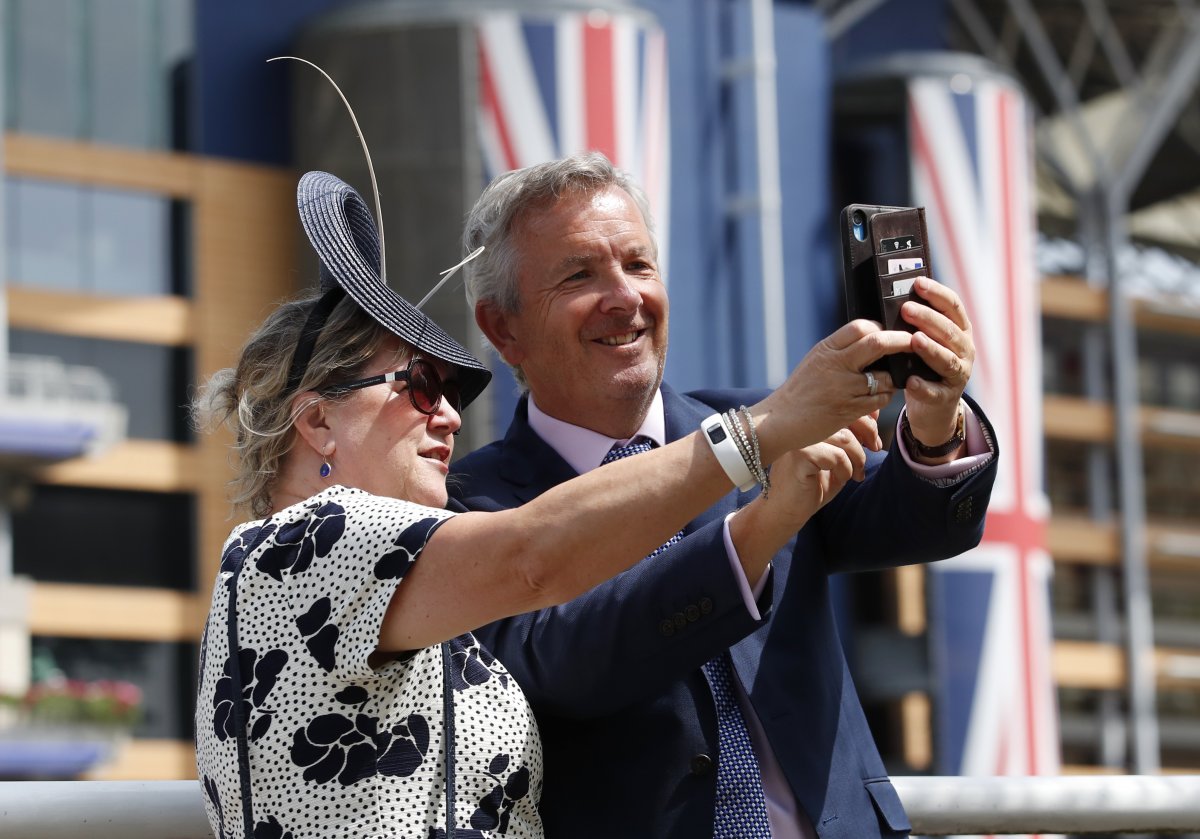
680, 620
965, 510
667, 627
706, 606
702, 765
692, 612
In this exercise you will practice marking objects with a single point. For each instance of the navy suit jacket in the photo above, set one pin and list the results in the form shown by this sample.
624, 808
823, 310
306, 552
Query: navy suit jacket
628, 723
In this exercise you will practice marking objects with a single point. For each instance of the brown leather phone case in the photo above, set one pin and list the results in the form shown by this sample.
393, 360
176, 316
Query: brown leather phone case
880, 247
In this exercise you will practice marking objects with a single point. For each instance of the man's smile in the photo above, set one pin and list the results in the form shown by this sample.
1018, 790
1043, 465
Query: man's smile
622, 339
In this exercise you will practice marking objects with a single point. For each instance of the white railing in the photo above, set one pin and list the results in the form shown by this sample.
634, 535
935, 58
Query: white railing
936, 806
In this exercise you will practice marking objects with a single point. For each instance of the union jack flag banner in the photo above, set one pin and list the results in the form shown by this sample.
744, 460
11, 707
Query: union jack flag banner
990, 610
550, 86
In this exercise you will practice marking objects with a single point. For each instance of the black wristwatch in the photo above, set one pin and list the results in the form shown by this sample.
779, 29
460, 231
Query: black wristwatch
917, 447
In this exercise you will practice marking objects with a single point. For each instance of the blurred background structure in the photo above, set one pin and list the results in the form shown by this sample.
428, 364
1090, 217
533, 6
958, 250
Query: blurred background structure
149, 160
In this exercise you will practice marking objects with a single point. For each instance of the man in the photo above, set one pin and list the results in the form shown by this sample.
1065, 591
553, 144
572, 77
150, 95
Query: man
643, 735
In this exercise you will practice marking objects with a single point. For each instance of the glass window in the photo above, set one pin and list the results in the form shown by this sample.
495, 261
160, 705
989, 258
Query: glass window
150, 380
1171, 489
1062, 358
45, 234
130, 243
100, 241
126, 104
1183, 385
97, 71
106, 537
46, 66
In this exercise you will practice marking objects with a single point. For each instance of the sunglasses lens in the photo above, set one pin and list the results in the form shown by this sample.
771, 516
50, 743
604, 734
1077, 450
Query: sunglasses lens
425, 386
452, 394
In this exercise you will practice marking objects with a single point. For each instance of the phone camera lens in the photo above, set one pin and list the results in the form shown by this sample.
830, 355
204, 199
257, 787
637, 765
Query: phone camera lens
858, 218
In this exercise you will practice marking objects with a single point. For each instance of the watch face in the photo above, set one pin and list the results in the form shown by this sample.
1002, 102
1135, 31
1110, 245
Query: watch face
715, 433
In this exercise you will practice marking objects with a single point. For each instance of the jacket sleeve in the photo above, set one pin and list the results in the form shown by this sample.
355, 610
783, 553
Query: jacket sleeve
631, 636
896, 517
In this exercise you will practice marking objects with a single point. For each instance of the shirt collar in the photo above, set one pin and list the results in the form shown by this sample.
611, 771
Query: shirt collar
585, 449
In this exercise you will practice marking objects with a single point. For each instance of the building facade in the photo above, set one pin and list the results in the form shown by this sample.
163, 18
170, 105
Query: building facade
149, 161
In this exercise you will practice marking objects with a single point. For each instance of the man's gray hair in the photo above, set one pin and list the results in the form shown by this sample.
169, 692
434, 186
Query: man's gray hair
492, 277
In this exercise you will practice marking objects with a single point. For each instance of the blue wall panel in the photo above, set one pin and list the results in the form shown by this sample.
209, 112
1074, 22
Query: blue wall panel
241, 102
715, 277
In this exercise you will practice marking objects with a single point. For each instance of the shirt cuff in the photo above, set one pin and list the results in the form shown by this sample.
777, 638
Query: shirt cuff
979, 450
749, 595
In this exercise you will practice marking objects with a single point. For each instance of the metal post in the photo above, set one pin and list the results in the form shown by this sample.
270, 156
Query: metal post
769, 200
5, 516
1113, 746
1139, 636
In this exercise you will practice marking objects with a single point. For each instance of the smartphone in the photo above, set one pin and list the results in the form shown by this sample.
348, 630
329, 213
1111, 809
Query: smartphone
884, 250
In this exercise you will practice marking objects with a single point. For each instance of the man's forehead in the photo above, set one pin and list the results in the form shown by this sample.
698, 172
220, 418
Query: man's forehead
561, 210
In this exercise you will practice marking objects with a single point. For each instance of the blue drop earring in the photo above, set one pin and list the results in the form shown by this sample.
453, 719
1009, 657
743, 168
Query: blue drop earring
326, 469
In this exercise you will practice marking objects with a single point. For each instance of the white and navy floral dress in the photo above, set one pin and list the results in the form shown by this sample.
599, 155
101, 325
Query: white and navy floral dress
335, 747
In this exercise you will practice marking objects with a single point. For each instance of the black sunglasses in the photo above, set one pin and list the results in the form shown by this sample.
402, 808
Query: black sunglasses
426, 388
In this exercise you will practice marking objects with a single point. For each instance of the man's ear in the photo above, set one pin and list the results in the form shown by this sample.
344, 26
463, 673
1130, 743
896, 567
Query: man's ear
497, 326
312, 422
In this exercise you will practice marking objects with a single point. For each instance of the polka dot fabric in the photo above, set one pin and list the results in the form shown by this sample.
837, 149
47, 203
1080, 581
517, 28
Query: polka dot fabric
338, 748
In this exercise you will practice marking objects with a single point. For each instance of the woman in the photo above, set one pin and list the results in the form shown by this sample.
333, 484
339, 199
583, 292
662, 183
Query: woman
358, 703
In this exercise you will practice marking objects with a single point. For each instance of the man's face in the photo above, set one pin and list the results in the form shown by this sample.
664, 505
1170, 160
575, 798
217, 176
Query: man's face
590, 334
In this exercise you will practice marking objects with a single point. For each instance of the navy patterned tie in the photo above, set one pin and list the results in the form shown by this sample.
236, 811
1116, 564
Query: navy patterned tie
741, 809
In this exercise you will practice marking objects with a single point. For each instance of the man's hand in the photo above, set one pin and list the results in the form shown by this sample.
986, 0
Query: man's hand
944, 340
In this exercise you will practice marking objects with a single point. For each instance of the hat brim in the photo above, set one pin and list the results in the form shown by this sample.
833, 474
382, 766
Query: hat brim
342, 231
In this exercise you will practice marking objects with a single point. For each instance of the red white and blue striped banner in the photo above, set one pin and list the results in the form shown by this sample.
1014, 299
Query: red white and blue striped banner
996, 704
553, 86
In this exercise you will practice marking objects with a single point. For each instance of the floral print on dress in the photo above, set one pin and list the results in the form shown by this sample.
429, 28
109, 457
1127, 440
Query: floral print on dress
271, 829
342, 743
471, 664
495, 807
350, 746
235, 551
395, 563
214, 803
296, 544
320, 636
259, 677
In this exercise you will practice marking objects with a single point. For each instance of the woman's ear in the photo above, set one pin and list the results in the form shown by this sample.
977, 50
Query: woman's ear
311, 420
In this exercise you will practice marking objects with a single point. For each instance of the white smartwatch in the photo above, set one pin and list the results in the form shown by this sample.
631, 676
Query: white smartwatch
720, 440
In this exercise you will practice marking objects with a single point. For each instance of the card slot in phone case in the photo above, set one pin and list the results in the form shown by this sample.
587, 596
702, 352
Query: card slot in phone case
886, 280
883, 265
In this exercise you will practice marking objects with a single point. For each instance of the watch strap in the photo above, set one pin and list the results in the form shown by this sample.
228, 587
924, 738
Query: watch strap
917, 447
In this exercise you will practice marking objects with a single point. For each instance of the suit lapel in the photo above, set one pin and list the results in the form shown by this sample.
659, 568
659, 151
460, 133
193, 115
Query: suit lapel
528, 465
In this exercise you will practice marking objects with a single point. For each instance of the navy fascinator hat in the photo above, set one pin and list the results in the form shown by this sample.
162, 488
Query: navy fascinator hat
342, 231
